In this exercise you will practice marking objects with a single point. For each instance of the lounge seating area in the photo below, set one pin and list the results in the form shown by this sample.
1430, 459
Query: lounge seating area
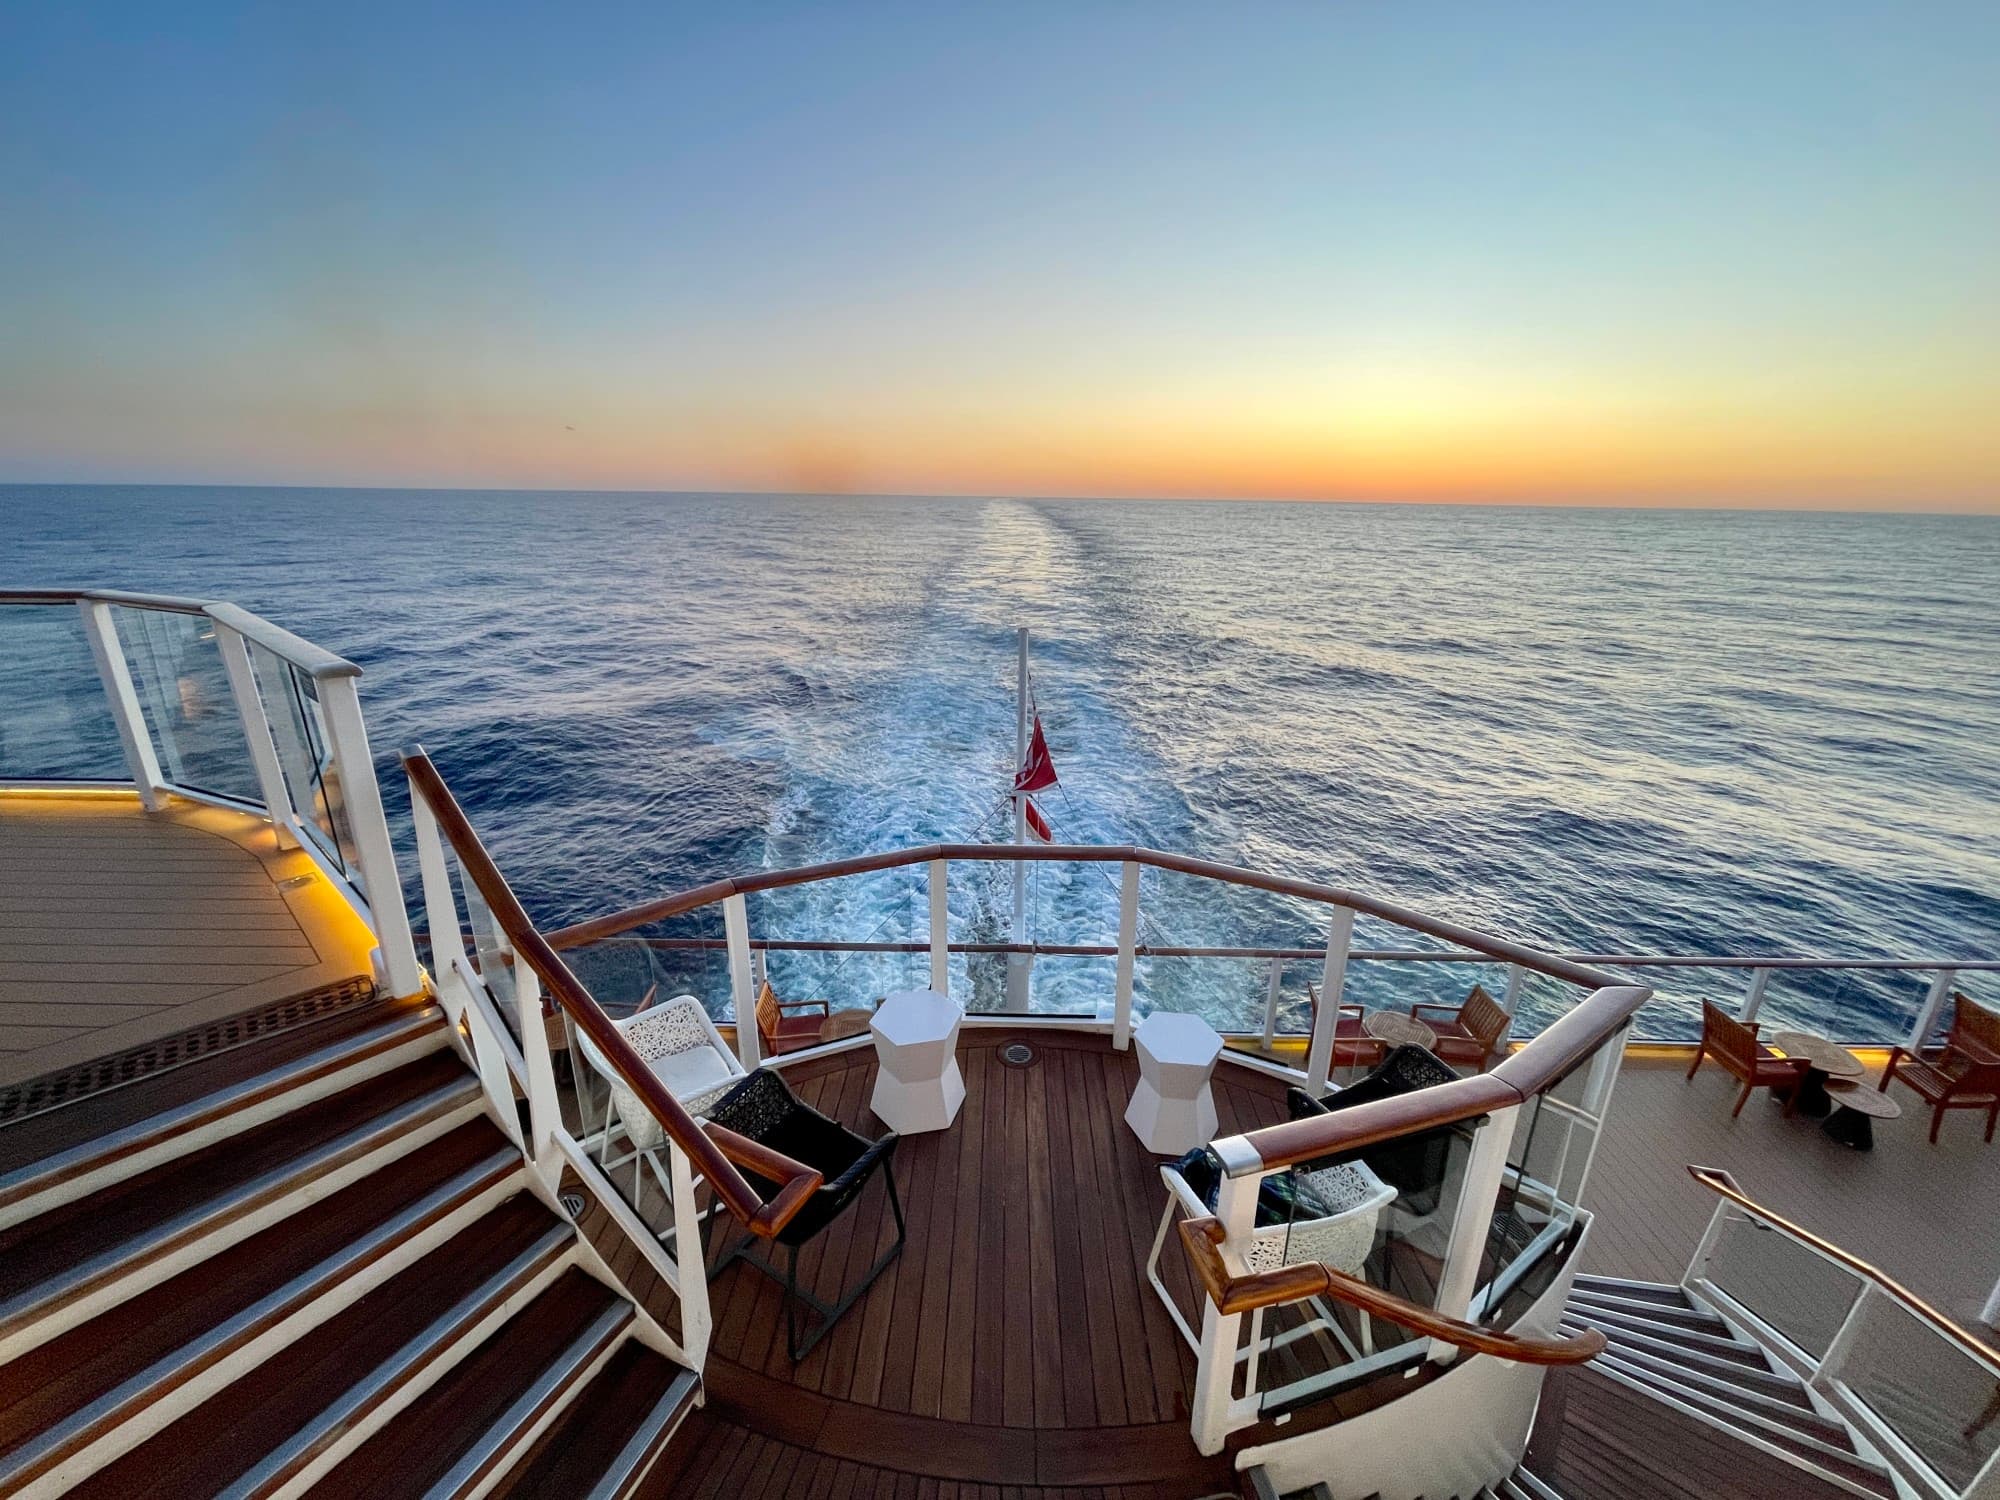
1734, 1046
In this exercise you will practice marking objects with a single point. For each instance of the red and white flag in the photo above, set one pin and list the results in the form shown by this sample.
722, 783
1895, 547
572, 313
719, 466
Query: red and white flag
1037, 771
1038, 826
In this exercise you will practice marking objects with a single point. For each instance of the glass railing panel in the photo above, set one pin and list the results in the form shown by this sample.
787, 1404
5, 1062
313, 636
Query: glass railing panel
305, 756
1312, 1349
55, 724
1940, 1400
183, 691
1795, 1291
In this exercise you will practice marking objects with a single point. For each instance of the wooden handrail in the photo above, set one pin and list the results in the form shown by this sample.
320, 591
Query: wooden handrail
1535, 1069
714, 1153
616, 923
1204, 1238
1720, 1182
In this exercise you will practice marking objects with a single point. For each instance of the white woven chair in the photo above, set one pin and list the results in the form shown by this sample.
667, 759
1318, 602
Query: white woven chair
686, 1053
1341, 1236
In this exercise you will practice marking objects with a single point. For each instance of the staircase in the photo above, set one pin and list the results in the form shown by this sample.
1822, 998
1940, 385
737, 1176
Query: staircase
330, 1272
1521, 1485
1664, 1345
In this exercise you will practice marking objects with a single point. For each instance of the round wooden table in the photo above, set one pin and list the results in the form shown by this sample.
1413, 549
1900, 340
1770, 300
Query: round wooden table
1394, 1029
1856, 1109
1822, 1059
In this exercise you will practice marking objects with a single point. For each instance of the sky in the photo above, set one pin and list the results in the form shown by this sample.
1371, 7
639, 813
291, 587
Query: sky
1743, 253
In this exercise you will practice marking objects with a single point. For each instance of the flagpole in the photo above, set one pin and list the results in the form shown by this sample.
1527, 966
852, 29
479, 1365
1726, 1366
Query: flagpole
1017, 963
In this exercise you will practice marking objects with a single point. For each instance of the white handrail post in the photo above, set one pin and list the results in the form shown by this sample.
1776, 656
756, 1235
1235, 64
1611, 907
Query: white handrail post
133, 736
1510, 1001
1272, 993
1473, 1222
257, 732
1931, 1009
736, 929
1990, 1313
689, 1261
940, 929
1753, 999
544, 1103
1215, 1360
440, 901
1333, 980
347, 738
1128, 940
1826, 1369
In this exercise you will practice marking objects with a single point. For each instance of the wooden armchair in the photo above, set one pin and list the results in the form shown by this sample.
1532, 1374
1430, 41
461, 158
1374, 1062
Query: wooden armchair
787, 1025
1467, 1034
1965, 1076
1352, 1047
1734, 1044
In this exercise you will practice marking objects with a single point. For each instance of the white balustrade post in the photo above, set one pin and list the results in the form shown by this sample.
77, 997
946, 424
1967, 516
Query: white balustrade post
1128, 940
1333, 980
257, 732
1990, 1313
1753, 999
1272, 993
1215, 1360
116, 676
1931, 1009
382, 883
544, 1103
440, 901
736, 929
940, 930
692, 1280
1472, 1222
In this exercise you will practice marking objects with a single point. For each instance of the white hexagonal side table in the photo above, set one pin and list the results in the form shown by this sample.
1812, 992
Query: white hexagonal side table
1172, 1109
918, 1086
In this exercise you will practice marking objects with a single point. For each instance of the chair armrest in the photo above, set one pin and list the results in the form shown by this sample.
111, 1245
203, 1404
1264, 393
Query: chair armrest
824, 1008
1450, 1010
1976, 1051
865, 1163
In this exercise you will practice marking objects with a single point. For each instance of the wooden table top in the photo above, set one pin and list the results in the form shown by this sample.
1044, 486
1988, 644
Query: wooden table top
1816, 1051
1397, 1029
1850, 1094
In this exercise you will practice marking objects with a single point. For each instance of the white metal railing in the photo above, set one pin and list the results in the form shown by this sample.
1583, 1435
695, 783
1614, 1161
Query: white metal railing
1923, 1391
494, 1003
176, 676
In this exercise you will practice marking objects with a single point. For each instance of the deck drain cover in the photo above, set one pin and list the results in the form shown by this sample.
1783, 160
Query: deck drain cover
1017, 1054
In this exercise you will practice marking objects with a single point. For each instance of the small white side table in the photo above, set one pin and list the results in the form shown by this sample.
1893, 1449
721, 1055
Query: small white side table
918, 1086
1172, 1110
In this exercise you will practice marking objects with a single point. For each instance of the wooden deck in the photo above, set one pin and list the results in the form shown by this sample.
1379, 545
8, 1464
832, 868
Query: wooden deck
1015, 1349
1015, 1341
120, 928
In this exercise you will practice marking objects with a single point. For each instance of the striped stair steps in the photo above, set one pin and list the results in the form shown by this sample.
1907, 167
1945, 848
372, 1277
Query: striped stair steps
328, 1274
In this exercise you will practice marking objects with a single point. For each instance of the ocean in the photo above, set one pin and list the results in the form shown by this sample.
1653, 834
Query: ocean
1596, 730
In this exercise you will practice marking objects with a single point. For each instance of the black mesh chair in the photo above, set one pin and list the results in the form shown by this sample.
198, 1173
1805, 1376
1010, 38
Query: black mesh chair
1414, 1165
763, 1108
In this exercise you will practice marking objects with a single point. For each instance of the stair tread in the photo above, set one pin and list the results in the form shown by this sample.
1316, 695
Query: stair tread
59, 1377
52, 1131
573, 1454
41, 1249
419, 1446
228, 1434
1803, 1419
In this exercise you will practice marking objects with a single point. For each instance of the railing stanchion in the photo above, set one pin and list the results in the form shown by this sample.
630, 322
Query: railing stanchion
545, 1123
689, 1260
1215, 1361
1753, 999
1472, 1224
736, 930
1272, 993
257, 732
1333, 980
940, 929
1931, 1009
116, 676
362, 798
1128, 939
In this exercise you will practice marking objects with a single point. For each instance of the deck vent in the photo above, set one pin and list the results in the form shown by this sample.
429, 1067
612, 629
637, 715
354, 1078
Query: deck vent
1017, 1055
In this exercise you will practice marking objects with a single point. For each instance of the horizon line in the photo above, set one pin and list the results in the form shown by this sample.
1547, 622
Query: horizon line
1988, 509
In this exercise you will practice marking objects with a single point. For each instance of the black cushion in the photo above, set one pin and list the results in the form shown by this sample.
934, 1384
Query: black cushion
1414, 1165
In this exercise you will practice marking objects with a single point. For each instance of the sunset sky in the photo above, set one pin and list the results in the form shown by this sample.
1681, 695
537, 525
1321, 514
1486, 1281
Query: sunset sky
1744, 253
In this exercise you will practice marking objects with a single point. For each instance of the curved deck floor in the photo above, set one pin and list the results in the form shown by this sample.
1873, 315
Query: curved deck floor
1015, 1342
